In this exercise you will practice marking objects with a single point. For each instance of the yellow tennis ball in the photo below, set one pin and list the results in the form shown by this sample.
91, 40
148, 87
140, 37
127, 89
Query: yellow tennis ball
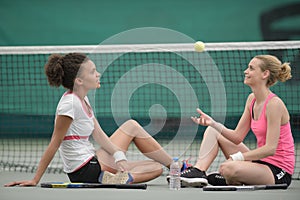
199, 46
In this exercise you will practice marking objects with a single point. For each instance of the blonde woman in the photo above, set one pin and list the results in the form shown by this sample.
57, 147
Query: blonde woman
273, 161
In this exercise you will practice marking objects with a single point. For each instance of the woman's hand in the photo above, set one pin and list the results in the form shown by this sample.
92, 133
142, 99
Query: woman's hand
203, 119
123, 165
21, 183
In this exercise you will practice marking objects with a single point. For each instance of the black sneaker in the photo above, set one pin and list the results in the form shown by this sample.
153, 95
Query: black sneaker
185, 166
216, 178
193, 177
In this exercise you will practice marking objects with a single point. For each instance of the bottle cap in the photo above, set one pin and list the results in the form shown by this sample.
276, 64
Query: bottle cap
175, 159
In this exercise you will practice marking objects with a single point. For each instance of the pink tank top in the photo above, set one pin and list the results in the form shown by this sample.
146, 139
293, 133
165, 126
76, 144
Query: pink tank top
284, 157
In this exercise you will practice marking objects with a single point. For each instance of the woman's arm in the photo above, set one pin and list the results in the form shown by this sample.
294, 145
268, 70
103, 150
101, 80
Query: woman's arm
238, 134
103, 140
61, 126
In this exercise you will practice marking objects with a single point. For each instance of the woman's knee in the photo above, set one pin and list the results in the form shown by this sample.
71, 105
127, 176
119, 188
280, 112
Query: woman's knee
230, 171
131, 123
211, 132
134, 129
129, 126
224, 169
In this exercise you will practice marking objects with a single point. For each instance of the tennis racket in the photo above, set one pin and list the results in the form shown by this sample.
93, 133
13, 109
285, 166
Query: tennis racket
92, 185
246, 187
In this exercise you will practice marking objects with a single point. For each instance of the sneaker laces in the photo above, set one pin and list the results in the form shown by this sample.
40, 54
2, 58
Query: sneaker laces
188, 170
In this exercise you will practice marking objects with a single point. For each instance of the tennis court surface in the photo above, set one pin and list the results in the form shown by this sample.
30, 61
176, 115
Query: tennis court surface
157, 189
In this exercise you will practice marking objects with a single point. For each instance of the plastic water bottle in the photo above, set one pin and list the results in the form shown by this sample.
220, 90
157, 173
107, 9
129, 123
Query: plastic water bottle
175, 175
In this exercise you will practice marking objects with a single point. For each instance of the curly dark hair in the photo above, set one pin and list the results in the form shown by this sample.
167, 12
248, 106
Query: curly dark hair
63, 69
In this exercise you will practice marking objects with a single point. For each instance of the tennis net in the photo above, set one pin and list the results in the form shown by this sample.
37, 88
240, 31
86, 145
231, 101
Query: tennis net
159, 85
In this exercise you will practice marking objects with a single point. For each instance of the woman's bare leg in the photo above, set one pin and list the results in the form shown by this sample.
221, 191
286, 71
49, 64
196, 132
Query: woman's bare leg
235, 172
248, 173
211, 143
142, 171
131, 131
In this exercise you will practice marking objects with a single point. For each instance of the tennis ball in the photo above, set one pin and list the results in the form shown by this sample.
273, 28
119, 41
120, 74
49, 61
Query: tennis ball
199, 46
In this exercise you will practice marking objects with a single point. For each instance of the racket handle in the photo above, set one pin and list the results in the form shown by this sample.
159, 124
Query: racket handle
132, 186
276, 186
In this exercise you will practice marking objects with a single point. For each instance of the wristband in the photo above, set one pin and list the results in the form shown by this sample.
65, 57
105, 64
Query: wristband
119, 155
237, 156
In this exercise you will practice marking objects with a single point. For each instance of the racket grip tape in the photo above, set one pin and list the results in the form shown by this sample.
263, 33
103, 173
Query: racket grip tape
276, 186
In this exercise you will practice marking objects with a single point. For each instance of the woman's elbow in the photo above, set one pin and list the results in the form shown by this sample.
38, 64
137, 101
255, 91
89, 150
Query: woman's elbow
238, 140
271, 150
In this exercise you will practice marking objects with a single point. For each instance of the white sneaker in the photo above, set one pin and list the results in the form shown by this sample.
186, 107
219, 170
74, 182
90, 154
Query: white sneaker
118, 178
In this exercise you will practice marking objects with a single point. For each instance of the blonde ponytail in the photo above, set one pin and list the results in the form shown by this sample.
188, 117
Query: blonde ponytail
285, 73
278, 71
